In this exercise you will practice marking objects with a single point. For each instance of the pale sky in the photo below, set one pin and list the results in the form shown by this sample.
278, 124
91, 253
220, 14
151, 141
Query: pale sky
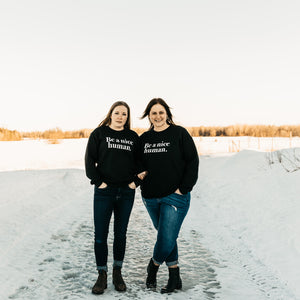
215, 62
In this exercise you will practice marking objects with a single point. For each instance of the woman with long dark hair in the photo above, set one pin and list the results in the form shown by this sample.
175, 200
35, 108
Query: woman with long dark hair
111, 164
171, 161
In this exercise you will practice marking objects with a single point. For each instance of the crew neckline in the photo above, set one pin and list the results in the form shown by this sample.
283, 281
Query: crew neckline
114, 130
161, 130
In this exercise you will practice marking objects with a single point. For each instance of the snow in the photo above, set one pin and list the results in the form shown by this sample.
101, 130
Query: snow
240, 239
209, 145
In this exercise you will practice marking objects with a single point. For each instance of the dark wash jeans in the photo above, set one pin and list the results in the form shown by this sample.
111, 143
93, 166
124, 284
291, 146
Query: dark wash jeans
107, 201
167, 215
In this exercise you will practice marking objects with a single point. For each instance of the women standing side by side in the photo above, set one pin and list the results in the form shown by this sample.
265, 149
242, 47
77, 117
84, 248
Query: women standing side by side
171, 161
111, 164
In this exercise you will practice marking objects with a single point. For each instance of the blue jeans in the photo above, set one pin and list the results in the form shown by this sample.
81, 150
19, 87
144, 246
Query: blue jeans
120, 202
167, 215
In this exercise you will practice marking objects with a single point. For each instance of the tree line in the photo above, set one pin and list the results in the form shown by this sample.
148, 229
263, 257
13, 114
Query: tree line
51, 134
9, 135
232, 130
247, 130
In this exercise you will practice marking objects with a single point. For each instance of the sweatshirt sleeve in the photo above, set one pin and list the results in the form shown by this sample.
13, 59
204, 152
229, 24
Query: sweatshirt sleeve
138, 161
91, 155
191, 158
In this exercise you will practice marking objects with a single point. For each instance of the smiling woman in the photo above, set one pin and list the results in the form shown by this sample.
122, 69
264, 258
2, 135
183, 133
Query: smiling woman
111, 164
119, 117
170, 160
159, 114
158, 117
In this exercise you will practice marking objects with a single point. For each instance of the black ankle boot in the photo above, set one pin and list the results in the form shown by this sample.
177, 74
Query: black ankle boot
101, 283
151, 278
174, 281
118, 281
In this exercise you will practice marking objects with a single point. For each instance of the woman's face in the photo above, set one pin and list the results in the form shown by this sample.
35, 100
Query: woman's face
118, 117
158, 117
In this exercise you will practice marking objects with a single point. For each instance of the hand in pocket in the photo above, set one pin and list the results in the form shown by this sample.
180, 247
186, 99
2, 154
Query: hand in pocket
178, 192
132, 185
102, 186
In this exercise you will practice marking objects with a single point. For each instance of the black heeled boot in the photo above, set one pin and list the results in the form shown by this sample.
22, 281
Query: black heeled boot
151, 278
118, 281
174, 282
101, 283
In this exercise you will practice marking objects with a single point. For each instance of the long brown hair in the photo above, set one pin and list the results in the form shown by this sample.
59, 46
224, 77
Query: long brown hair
164, 104
107, 120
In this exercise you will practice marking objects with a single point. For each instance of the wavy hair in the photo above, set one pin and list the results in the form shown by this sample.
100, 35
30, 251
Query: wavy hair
164, 104
107, 120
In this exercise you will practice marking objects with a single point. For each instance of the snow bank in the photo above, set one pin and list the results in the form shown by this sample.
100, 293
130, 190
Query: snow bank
240, 240
249, 209
40, 154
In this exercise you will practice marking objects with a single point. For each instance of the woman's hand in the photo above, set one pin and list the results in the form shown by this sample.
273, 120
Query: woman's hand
142, 175
132, 185
178, 192
103, 185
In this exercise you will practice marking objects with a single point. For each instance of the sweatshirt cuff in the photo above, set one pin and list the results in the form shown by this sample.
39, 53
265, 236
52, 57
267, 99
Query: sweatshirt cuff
97, 183
137, 181
184, 190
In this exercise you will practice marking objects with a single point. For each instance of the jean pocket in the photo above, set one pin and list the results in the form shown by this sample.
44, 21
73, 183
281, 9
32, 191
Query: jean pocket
179, 200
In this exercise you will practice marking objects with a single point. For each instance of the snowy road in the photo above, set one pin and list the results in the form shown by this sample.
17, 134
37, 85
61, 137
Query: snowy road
240, 239
51, 256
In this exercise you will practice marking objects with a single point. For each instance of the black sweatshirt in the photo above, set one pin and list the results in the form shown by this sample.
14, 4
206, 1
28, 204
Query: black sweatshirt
111, 157
171, 159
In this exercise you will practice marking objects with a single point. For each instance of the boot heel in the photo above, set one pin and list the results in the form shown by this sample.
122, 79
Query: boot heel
174, 282
118, 281
179, 285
